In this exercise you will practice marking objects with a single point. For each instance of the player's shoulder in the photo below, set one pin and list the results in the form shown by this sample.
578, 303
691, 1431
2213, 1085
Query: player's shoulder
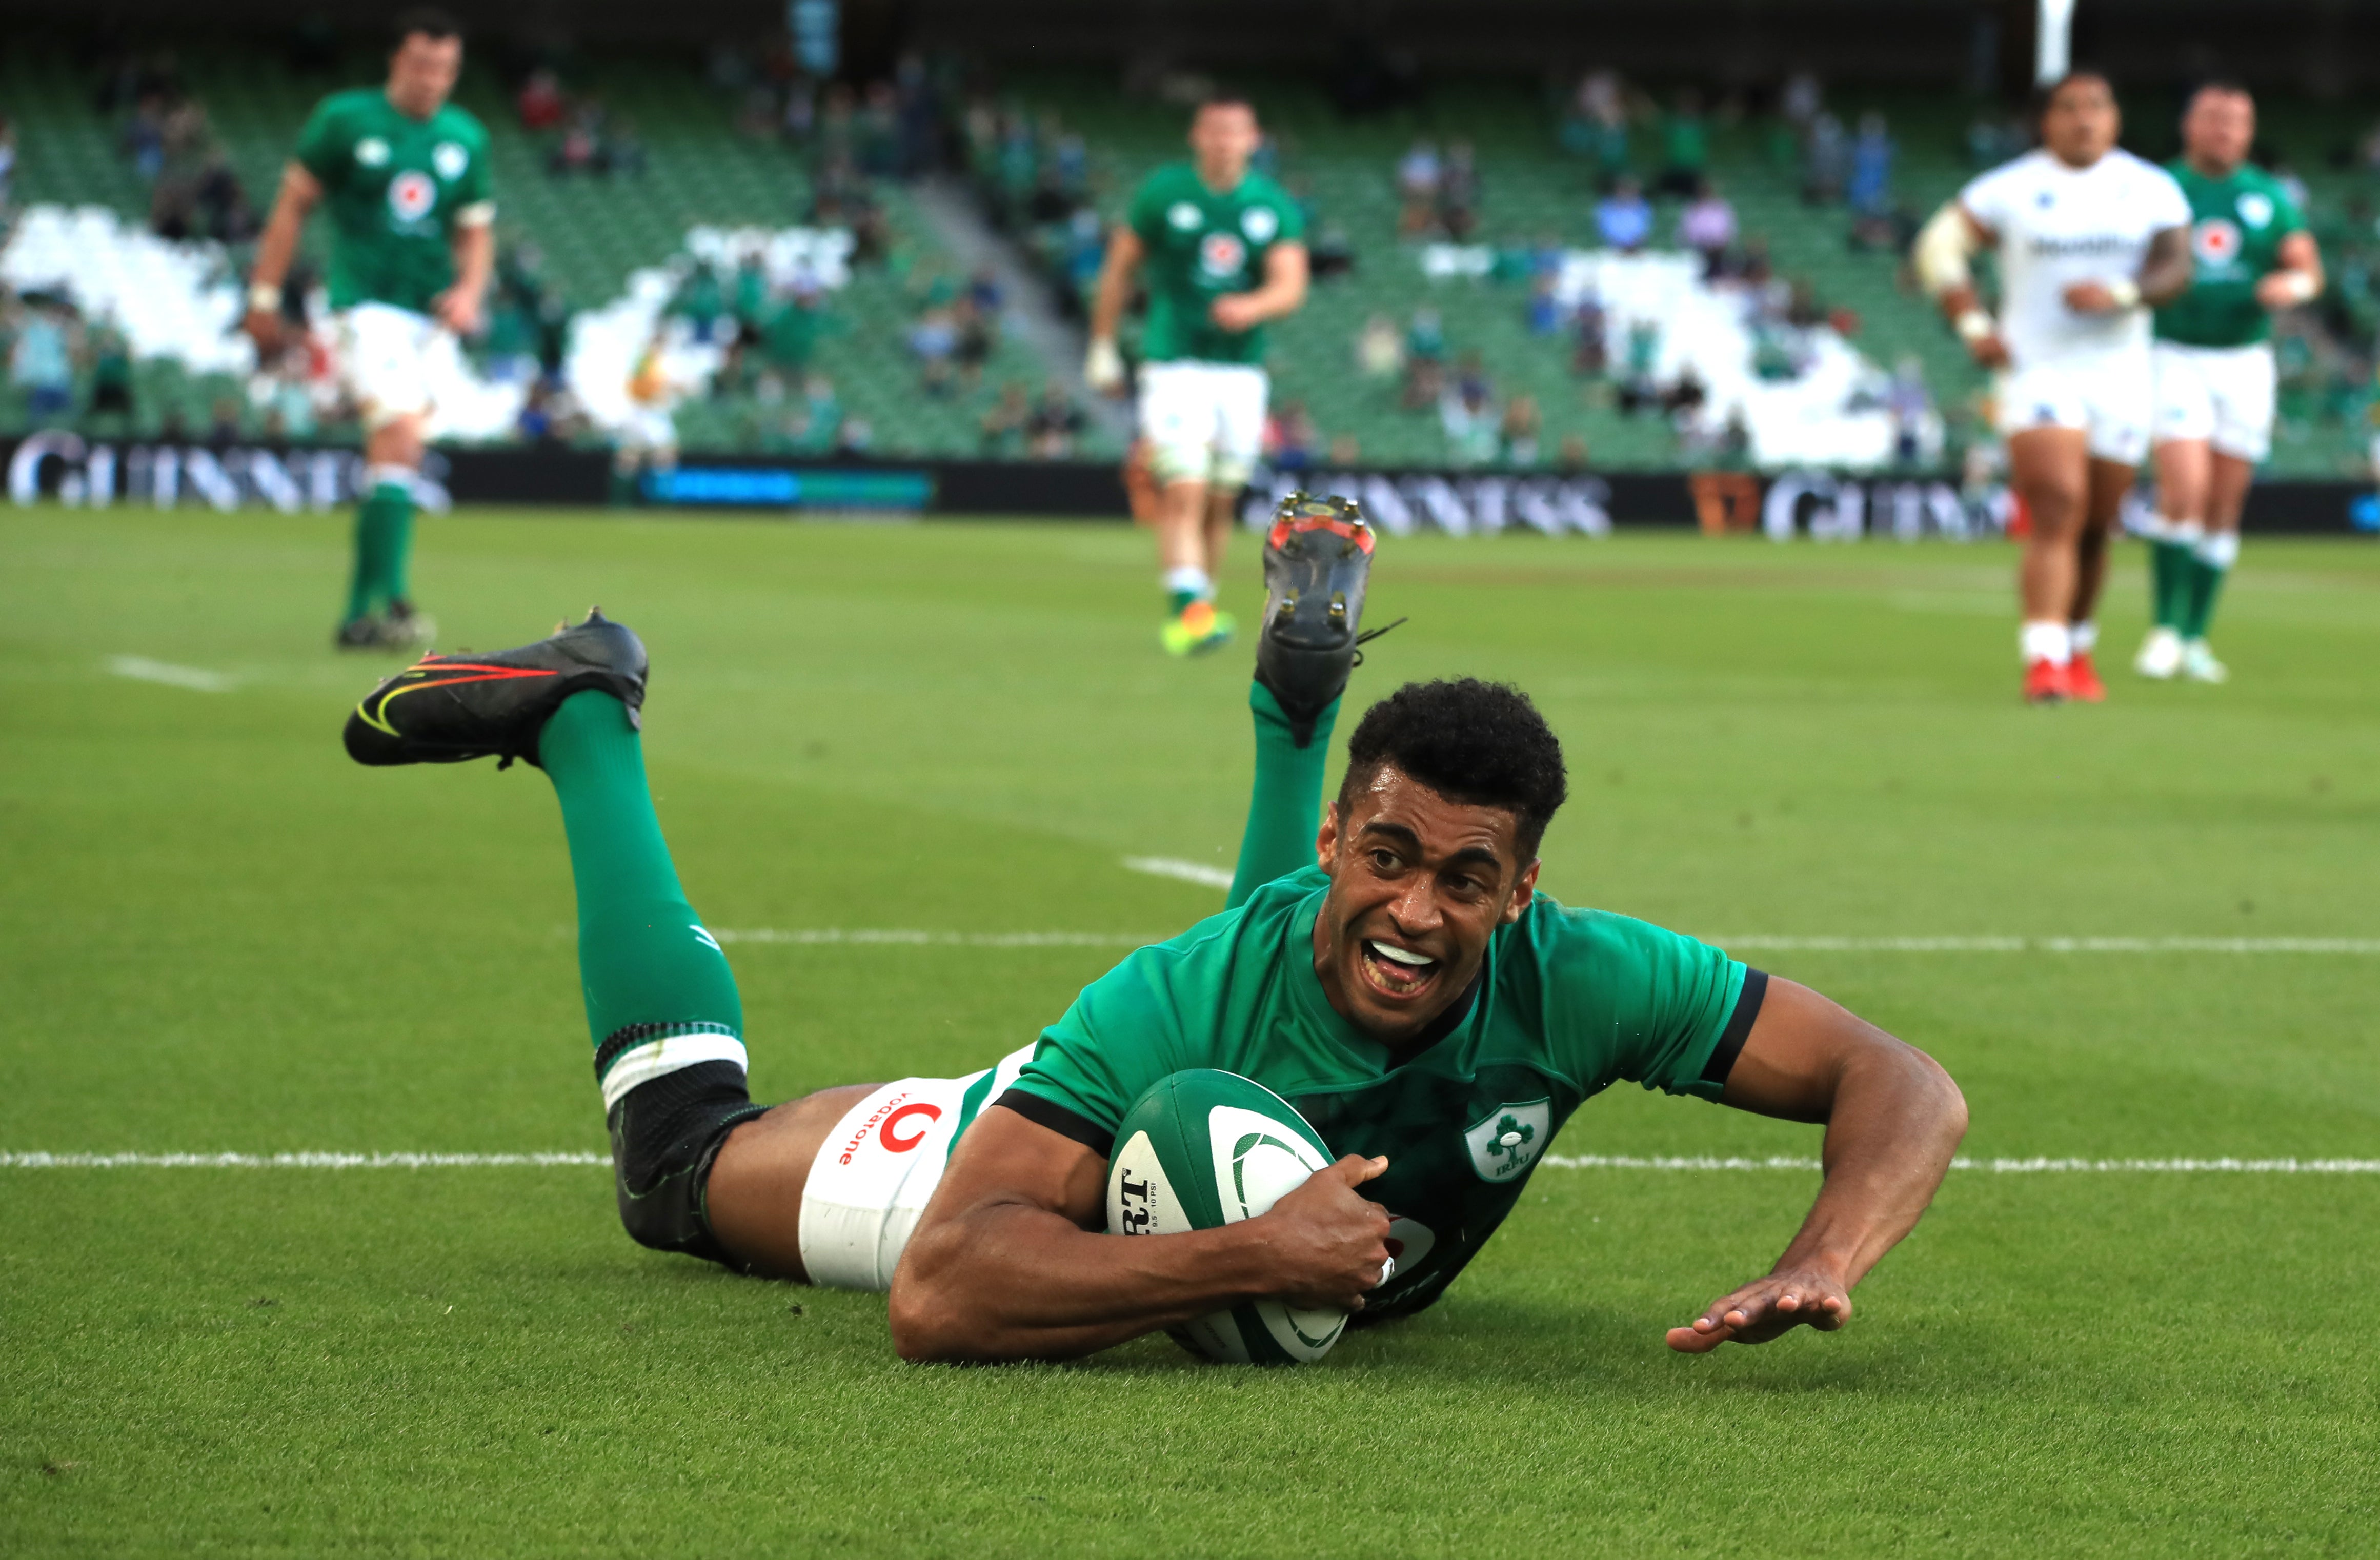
2139, 173
2024, 171
1262, 190
455, 120
1577, 939
1169, 179
348, 105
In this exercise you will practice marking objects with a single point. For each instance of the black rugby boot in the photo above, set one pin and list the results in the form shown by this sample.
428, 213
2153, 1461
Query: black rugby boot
444, 709
1317, 559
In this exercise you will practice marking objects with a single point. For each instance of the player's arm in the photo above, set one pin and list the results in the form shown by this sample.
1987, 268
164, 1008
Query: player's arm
1943, 256
2163, 277
1104, 366
2297, 278
1893, 1119
1286, 271
275, 248
474, 243
1011, 1260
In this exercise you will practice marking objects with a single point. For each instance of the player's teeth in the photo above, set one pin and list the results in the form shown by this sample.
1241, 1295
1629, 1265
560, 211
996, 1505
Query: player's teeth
1400, 956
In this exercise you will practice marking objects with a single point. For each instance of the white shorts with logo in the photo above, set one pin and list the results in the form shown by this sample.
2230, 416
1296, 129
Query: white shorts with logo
2107, 396
390, 359
1204, 422
2221, 394
875, 1171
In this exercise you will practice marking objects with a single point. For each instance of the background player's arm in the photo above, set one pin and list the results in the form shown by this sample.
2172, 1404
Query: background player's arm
475, 259
1011, 1260
1104, 367
2163, 277
2297, 278
275, 248
1283, 290
1893, 1119
1941, 255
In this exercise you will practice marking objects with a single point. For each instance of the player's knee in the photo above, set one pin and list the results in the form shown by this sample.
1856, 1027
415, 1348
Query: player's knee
1180, 461
666, 1135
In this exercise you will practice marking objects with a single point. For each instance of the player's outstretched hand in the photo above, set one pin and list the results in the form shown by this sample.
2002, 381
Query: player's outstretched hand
1765, 1308
1236, 311
263, 327
1332, 1242
1988, 351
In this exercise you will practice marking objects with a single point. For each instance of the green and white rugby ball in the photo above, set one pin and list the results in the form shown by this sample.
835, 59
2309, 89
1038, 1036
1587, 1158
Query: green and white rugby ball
1203, 1149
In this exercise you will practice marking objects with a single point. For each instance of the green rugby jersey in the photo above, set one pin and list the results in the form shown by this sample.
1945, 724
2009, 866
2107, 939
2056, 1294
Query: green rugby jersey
1202, 246
396, 187
1568, 1002
2236, 228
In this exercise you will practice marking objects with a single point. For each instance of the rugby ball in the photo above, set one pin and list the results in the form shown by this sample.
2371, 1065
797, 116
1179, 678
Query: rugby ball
1203, 1149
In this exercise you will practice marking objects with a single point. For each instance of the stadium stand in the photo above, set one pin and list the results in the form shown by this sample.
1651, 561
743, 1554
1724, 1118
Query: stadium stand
1444, 329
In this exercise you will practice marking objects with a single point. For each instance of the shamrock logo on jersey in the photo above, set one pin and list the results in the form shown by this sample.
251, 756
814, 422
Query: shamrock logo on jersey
411, 194
2255, 208
450, 160
1507, 1139
1260, 223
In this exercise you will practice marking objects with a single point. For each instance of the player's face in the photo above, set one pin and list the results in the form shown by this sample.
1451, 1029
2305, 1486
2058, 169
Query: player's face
421, 73
1418, 883
2081, 124
1222, 139
2218, 129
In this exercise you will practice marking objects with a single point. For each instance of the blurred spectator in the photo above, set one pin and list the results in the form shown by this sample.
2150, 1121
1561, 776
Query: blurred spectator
1003, 426
1467, 412
623, 150
1685, 145
1545, 311
283, 397
42, 362
111, 375
821, 411
1291, 440
1707, 225
1869, 190
1050, 432
1418, 175
537, 424
973, 348
1802, 310
1826, 158
1588, 358
751, 293
1332, 253
935, 339
144, 136
1623, 219
1425, 337
1644, 351
7, 165
223, 421
577, 150
983, 293
540, 104
1686, 395
701, 301
1379, 349
1910, 407
1572, 457
1597, 126
1345, 449
1517, 438
1801, 100
853, 437
1458, 192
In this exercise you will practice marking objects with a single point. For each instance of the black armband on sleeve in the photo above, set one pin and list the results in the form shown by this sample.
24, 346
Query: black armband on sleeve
1061, 1120
1739, 1027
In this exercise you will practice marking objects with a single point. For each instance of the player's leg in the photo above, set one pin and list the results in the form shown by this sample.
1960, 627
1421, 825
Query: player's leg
2184, 421
662, 1004
1241, 392
1178, 421
2049, 466
2108, 482
382, 353
2242, 438
1317, 564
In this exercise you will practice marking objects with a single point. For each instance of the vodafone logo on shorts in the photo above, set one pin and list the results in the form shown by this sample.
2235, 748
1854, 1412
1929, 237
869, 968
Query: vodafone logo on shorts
902, 1117
411, 194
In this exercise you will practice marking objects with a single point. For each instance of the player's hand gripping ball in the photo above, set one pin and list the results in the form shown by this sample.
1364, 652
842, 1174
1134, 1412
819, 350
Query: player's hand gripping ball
1202, 1149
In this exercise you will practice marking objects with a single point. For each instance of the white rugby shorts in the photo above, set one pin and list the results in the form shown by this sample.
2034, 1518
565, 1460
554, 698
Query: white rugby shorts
875, 1171
390, 358
1204, 422
2220, 394
649, 430
2109, 396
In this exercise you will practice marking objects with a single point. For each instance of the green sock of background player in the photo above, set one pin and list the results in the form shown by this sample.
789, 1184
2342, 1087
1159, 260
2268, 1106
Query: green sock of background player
384, 547
2169, 564
2209, 564
1285, 807
643, 955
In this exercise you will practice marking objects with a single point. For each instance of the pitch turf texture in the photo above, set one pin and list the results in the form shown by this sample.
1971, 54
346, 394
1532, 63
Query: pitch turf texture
218, 934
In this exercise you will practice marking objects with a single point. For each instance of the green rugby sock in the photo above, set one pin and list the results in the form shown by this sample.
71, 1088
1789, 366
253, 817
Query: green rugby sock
1286, 807
2169, 566
383, 544
644, 959
2205, 583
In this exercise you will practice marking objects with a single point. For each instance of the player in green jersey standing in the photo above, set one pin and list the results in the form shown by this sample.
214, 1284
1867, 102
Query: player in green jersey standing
1388, 967
404, 175
1222, 249
2214, 364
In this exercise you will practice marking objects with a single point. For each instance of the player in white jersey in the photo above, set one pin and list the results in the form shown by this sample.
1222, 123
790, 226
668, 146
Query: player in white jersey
2089, 238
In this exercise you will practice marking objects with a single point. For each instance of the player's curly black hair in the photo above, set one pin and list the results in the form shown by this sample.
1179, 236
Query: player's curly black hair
1481, 742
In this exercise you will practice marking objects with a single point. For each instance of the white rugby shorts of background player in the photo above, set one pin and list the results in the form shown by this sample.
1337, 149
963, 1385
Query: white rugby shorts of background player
2088, 237
646, 444
2214, 373
403, 177
1386, 968
1221, 250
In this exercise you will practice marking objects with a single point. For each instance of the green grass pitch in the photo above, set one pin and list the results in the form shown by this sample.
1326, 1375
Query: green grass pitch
218, 934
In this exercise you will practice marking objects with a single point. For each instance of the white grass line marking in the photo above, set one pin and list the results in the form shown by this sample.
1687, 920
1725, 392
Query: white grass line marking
1558, 1161
864, 937
1994, 1167
140, 669
1172, 866
1750, 942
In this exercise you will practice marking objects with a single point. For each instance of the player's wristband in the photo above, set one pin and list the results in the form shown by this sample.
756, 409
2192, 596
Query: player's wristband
2300, 285
263, 298
1975, 325
2125, 292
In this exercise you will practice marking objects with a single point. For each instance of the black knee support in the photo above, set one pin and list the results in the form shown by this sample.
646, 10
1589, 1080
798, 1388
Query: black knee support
665, 1135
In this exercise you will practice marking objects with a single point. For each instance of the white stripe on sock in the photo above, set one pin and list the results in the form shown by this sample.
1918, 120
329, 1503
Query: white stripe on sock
672, 1053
